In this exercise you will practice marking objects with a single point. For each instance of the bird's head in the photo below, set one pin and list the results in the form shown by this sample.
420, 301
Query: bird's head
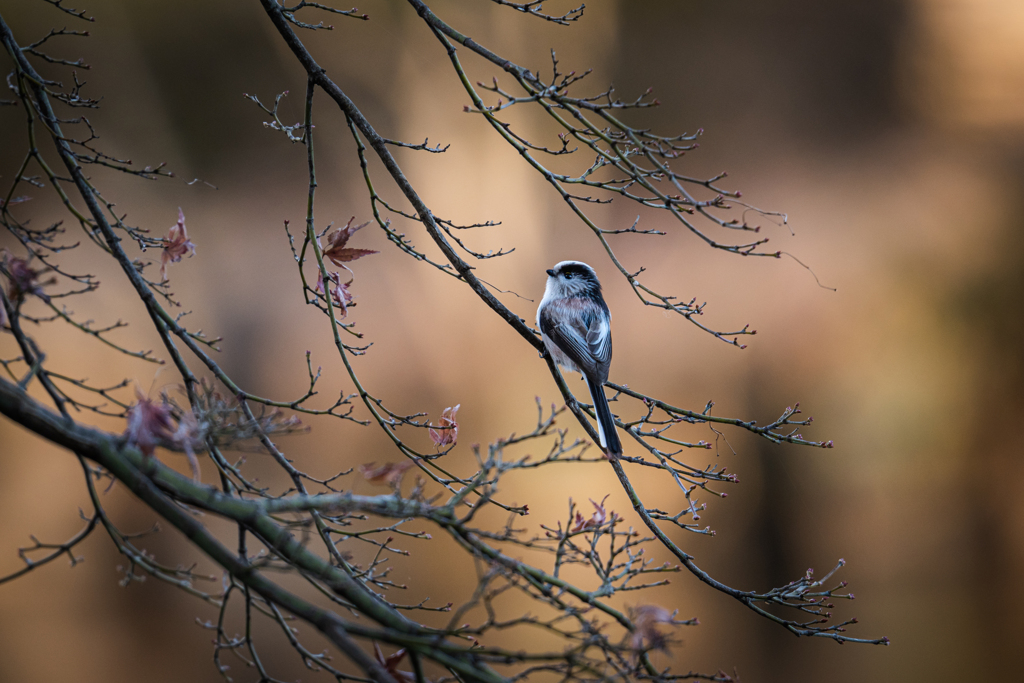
572, 278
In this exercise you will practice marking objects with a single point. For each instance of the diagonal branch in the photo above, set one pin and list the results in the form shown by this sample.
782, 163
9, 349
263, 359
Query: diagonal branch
142, 476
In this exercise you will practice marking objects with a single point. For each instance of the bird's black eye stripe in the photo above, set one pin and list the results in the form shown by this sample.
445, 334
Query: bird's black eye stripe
573, 270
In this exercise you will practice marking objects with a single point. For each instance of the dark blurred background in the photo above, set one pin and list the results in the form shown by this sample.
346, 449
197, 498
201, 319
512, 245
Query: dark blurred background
890, 132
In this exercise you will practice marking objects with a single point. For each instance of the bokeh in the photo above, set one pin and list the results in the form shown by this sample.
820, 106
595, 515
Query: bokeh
891, 133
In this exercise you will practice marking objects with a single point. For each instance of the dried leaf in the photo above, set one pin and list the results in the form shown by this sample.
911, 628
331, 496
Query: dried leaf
390, 663
599, 517
176, 245
151, 424
579, 524
338, 252
24, 279
647, 636
148, 423
388, 474
447, 431
340, 295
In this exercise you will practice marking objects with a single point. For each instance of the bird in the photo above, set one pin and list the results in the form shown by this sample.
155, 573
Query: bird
575, 325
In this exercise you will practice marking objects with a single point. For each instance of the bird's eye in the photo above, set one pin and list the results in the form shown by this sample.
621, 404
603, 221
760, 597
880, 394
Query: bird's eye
569, 276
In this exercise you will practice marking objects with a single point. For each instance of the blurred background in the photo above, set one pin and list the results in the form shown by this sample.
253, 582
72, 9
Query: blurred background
891, 133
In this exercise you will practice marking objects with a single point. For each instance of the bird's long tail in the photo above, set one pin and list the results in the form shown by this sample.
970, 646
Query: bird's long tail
605, 423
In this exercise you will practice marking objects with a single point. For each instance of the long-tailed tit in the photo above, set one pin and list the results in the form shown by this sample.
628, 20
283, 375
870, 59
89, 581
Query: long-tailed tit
576, 327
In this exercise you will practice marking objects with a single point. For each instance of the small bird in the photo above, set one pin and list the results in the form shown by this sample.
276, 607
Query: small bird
576, 327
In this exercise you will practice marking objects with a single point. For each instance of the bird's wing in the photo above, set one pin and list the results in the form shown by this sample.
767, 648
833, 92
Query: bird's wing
587, 343
599, 341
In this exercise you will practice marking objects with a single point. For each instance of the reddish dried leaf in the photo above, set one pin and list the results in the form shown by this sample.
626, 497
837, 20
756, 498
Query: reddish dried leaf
340, 295
579, 524
340, 256
388, 474
176, 245
148, 423
647, 636
151, 424
338, 252
447, 431
599, 517
24, 279
390, 663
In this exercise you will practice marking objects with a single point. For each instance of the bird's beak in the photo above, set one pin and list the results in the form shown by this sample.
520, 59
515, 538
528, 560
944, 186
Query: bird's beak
550, 271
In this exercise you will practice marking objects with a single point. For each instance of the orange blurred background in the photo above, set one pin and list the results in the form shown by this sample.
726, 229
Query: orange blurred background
891, 133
